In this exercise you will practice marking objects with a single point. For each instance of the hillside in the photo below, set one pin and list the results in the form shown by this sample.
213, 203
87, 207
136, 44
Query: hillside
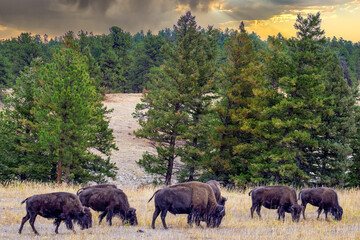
130, 175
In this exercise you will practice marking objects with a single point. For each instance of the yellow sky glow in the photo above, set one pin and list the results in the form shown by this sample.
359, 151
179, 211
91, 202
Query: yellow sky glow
338, 18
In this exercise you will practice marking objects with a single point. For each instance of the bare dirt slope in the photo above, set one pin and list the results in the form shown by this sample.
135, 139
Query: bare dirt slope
130, 175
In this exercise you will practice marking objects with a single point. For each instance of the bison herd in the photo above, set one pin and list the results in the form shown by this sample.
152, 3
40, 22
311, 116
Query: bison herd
201, 201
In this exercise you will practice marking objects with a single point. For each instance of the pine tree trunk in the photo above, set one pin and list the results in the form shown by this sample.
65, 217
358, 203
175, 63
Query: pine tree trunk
170, 163
169, 171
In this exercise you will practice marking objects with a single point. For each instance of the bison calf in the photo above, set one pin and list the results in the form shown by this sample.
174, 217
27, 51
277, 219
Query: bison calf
282, 198
193, 198
324, 198
109, 201
62, 206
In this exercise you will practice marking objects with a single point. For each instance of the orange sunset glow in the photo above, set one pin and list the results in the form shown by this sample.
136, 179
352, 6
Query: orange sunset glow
340, 18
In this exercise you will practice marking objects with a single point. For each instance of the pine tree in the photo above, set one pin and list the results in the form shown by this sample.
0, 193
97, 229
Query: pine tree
197, 59
337, 128
147, 54
177, 99
237, 111
6, 78
58, 116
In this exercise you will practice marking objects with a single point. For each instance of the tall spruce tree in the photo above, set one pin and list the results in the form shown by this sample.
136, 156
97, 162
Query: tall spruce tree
176, 100
197, 51
237, 111
60, 122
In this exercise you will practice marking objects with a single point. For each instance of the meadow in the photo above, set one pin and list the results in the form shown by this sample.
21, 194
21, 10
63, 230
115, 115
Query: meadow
237, 224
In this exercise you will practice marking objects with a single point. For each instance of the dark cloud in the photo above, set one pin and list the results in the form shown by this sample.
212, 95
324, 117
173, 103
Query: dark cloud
95, 5
198, 5
55, 17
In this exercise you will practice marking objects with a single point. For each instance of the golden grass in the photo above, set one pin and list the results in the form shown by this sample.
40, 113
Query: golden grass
237, 223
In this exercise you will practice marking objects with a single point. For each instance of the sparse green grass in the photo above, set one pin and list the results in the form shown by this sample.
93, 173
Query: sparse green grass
237, 223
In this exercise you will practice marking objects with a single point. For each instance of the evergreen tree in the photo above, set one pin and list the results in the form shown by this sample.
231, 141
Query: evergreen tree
176, 100
237, 111
196, 61
59, 117
115, 60
147, 54
6, 78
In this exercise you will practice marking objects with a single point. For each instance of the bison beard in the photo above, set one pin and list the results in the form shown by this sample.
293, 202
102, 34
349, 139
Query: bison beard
60, 205
193, 198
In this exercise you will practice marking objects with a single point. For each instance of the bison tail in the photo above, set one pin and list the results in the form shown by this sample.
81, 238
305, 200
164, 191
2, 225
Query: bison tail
250, 192
153, 196
25, 200
299, 195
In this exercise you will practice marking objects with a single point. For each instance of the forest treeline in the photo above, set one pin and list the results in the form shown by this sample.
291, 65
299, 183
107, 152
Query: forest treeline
226, 104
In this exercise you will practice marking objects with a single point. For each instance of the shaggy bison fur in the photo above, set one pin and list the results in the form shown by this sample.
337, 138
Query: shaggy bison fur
96, 186
110, 202
215, 185
282, 198
194, 198
61, 206
324, 198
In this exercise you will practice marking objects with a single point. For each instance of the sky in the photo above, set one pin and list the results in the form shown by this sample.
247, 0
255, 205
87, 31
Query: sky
340, 18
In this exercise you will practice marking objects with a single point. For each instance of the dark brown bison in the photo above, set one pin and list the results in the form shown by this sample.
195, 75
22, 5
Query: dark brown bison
110, 202
61, 206
195, 198
96, 186
282, 198
215, 185
324, 198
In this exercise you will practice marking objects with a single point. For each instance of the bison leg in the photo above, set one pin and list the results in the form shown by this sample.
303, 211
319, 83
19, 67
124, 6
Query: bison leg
109, 216
69, 224
163, 216
281, 213
190, 219
57, 224
303, 210
258, 210
32, 221
326, 212
101, 216
155, 215
27, 217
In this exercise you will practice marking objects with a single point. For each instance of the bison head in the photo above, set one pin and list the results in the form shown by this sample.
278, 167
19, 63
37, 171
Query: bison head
131, 216
215, 219
84, 218
295, 210
222, 201
337, 212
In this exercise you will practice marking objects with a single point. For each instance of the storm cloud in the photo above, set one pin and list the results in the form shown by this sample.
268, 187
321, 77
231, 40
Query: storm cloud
55, 17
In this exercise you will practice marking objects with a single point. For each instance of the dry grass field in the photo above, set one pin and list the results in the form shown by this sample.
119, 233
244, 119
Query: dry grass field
237, 223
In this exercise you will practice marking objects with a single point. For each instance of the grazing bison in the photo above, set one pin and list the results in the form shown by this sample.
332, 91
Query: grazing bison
216, 188
96, 186
195, 198
62, 206
324, 198
282, 198
109, 201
